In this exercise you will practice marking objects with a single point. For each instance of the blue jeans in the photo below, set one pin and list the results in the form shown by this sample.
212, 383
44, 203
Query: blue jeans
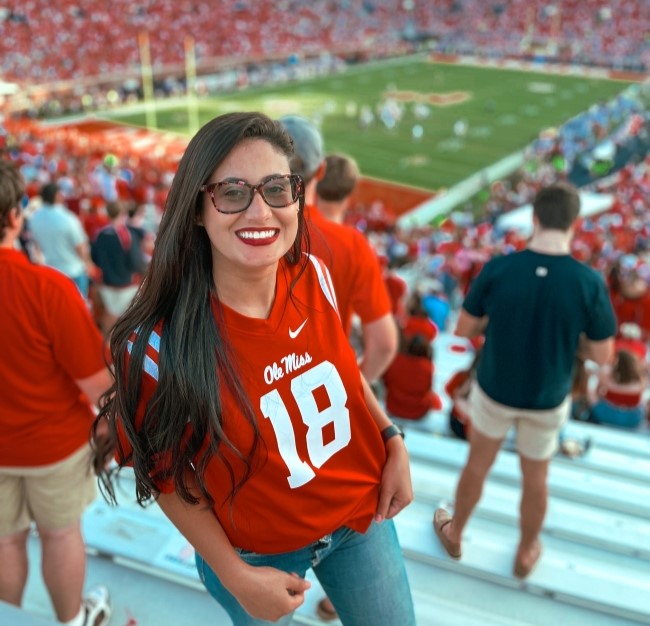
363, 575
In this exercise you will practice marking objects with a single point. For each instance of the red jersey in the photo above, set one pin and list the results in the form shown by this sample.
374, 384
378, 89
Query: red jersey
49, 340
409, 381
354, 266
322, 457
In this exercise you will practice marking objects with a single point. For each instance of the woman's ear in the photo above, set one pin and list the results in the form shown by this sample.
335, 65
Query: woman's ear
16, 218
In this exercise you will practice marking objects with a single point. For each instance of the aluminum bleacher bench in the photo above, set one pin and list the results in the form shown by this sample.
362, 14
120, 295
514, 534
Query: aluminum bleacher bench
635, 443
615, 584
566, 480
614, 531
13, 616
614, 452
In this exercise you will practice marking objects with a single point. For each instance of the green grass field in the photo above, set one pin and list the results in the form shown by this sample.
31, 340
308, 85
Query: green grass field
505, 110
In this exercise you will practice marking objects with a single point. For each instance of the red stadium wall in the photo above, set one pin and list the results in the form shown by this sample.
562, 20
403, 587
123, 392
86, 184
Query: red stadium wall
397, 199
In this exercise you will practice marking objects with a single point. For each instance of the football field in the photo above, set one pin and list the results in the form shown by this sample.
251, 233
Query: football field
501, 111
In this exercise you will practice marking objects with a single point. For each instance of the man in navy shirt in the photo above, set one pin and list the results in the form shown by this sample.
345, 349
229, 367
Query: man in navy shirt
538, 309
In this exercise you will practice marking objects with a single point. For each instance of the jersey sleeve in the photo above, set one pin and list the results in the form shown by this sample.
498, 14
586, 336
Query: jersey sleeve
369, 295
149, 383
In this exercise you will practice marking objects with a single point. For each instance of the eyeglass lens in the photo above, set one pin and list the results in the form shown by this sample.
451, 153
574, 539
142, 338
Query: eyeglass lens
277, 192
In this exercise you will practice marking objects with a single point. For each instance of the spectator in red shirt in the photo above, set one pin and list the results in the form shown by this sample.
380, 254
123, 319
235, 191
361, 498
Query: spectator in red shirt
53, 372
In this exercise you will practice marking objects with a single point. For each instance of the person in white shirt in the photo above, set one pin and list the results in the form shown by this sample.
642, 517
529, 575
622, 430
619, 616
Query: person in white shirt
61, 238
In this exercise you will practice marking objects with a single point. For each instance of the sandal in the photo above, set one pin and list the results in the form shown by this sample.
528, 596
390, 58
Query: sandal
440, 519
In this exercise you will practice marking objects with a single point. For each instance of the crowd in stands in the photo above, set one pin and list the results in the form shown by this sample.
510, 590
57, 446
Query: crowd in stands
113, 200
444, 258
604, 149
600, 32
615, 242
47, 42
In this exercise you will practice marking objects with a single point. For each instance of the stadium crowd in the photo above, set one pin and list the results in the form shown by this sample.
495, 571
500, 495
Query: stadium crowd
45, 42
440, 262
117, 198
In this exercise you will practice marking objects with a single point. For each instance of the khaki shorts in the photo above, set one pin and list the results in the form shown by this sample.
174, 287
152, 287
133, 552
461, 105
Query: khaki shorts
54, 496
537, 431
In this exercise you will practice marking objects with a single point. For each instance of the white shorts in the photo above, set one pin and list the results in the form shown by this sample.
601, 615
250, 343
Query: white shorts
116, 300
538, 431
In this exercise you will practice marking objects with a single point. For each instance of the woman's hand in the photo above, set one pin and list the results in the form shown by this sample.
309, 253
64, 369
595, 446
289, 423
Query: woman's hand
264, 592
395, 491
268, 593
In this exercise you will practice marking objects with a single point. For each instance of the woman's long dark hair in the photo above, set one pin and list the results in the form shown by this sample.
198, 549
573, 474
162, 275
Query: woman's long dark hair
626, 368
195, 361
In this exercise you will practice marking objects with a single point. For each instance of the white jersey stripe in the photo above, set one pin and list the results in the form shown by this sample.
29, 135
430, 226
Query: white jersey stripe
154, 339
325, 281
149, 365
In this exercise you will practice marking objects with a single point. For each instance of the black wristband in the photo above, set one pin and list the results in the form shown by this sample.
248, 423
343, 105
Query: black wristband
390, 432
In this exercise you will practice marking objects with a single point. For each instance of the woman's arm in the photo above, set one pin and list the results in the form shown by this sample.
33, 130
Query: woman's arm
396, 491
264, 592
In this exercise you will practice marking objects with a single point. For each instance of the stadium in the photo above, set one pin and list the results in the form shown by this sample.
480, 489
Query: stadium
457, 113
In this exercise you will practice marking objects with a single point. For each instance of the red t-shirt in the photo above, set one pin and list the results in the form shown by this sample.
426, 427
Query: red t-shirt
408, 382
354, 266
322, 457
49, 340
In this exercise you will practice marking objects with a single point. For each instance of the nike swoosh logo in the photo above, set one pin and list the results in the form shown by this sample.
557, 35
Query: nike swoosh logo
294, 333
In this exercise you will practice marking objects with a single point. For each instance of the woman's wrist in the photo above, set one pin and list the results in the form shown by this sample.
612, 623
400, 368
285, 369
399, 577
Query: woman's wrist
391, 431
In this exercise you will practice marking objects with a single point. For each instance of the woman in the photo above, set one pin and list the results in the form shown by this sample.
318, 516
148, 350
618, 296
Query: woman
238, 400
620, 392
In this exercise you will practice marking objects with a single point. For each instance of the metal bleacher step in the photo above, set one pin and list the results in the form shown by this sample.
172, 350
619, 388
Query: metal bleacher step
566, 480
145, 541
612, 452
633, 444
141, 557
573, 521
614, 584
13, 616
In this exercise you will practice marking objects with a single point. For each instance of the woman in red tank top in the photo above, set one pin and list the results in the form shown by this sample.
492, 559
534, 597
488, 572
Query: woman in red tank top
620, 392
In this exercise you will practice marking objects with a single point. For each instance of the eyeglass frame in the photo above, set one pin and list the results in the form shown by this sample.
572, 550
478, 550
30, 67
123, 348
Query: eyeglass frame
295, 179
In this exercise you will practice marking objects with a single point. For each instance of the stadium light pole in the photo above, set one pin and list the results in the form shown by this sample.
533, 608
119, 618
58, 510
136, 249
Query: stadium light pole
190, 80
147, 80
